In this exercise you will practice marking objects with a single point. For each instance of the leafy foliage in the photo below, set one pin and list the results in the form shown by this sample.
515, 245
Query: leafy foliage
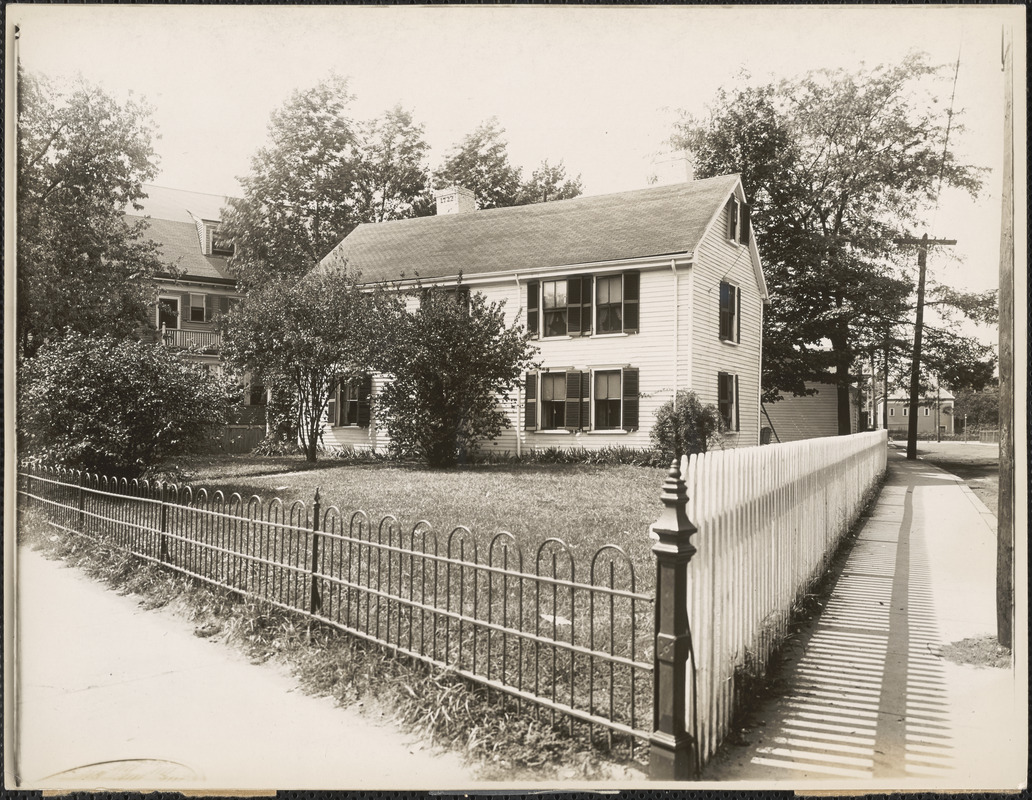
449, 366
298, 336
480, 163
82, 160
836, 166
549, 182
980, 408
114, 406
685, 427
321, 174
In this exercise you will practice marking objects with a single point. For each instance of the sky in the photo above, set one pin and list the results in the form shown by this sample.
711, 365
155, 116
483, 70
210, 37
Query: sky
596, 87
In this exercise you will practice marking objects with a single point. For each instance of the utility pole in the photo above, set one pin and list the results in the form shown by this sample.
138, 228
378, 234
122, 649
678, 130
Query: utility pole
1005, 525
915, 364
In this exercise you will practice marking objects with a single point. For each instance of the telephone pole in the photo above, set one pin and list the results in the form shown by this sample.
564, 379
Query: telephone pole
915, 364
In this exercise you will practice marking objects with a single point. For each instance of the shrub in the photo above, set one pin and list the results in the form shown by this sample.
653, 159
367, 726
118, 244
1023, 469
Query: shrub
115, 406
451, 363
690, 428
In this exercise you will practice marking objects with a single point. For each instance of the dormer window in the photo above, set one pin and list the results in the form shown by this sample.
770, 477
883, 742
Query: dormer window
216, 244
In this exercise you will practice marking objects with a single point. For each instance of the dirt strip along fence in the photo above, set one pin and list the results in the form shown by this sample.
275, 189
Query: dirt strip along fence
570, 640
769, 520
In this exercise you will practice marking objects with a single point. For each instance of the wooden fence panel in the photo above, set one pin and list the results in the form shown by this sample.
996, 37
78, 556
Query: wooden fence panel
769, 520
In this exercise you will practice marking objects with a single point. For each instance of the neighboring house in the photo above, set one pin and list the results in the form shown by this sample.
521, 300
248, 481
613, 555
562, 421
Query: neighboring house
933, 413
809, 417
185, 225
630, 297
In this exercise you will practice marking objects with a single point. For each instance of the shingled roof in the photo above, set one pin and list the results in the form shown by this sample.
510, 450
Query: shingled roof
171, 224
658, 221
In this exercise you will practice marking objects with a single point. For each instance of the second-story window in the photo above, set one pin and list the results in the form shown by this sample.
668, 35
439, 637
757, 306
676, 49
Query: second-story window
730, 304
197, 302
168, 313
553, 304
570, 306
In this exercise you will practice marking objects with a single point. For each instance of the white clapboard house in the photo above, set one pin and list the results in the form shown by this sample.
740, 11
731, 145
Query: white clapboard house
630, 297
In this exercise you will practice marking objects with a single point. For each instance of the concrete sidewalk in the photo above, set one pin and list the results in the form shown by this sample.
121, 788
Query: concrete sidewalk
111, 695
870, 699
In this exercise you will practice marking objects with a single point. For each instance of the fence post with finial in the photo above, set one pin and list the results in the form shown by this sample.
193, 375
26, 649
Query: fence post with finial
315, 602
672, 755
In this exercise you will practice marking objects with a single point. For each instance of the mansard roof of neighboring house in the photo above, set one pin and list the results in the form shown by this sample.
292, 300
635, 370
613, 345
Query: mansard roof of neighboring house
657, 221
172, 223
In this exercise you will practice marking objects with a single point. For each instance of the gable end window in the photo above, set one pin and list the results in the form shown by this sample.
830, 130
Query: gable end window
739, 224
730, 312
727, 400
350, 402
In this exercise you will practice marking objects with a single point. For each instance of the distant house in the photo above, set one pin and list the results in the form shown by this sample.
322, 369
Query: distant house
934, 412
809, 417
629, 297
185, 225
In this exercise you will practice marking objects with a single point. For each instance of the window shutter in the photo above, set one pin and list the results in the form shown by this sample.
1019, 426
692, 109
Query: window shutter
732, 219
629, 385
631, 293
587, 296
331, 406
574, 420
530, 402
738, 314
738, 419
533, 298
365, 394
746, 224
574, 318
585, 396
224, 305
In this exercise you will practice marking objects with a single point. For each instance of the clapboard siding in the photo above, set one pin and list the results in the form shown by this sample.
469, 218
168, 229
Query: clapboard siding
719, 259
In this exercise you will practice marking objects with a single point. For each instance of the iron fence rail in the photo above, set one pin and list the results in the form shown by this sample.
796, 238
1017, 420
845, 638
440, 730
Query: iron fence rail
570, 637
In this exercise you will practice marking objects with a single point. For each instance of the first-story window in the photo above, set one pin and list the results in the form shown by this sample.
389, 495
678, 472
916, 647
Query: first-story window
727, 399
927, 412
351, 401
892, 412
553, 400
608, 397
906, 411
582, 399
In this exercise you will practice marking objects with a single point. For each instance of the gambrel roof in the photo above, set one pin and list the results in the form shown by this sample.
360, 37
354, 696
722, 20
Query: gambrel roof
653, 222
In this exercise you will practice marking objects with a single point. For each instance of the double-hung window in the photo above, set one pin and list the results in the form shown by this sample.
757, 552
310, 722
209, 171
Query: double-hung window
582, 304
168, 313
730, 308
727, 400
197, 303
553, 306
581, 400
739, 224
350, 401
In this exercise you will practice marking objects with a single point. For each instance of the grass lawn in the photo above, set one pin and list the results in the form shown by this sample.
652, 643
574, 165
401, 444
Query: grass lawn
585, 506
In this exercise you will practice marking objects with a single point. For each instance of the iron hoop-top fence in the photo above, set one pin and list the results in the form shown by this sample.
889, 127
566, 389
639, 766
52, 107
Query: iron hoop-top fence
574, 640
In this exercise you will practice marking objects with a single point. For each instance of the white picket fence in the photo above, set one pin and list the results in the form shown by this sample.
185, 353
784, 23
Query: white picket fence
769, 519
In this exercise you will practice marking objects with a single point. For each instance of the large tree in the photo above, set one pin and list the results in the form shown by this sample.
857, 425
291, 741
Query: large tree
392, 178
298, 198
302, 333
837, 166
480, 163
83, 157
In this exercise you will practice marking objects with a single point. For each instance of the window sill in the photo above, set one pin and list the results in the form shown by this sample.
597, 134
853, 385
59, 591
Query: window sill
614, 335
730, 341
608, 432
560, 431
554, 338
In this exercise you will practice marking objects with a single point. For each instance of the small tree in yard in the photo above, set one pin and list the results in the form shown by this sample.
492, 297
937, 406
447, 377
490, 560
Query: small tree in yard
302, 334
450, 364
114, 406
689, 428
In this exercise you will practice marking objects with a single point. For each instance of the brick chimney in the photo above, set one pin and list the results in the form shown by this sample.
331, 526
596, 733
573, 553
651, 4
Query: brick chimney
455, 200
